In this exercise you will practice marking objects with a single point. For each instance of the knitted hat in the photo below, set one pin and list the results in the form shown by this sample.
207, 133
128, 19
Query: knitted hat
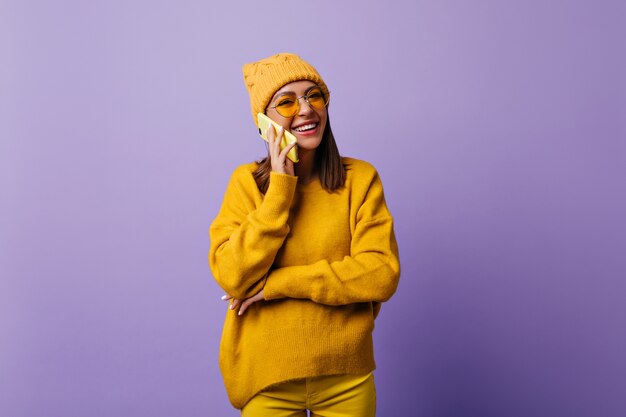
263, 78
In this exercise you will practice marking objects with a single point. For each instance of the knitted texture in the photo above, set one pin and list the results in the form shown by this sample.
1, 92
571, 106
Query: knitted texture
325, 262
263, 78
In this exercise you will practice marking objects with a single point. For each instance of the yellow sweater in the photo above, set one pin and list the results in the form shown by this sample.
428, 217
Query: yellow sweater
325, 261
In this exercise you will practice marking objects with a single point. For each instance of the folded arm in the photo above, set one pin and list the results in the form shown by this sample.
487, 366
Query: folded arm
370, 273
248, 232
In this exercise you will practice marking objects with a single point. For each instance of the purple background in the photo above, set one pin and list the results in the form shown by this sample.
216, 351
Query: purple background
499, 131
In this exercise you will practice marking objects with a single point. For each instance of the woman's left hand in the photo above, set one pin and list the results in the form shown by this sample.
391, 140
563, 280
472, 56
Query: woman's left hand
242, 305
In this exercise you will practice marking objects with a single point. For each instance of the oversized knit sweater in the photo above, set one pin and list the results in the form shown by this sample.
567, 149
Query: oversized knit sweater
325, 260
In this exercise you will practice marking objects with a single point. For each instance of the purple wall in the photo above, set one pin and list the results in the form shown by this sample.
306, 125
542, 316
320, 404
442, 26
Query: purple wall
498, 128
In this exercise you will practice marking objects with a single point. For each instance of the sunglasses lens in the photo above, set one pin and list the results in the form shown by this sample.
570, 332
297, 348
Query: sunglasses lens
287, 106
316, 98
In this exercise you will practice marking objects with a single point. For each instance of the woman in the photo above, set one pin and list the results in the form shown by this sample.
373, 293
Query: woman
307, 251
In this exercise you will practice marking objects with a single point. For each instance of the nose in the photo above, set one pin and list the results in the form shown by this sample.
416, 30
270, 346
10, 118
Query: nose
304, 107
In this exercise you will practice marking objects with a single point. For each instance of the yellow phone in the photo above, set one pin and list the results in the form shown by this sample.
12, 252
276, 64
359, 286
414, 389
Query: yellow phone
288, 137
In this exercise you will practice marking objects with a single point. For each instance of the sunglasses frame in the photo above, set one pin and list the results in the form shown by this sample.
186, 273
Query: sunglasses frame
306, 98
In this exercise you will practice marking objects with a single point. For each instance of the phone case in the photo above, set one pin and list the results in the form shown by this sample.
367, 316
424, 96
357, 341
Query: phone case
288, 137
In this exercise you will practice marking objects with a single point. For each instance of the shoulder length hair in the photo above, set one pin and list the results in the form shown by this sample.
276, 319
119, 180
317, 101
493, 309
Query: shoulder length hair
328, 164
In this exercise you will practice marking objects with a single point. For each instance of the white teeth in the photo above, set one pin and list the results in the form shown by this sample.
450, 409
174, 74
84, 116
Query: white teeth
306, 127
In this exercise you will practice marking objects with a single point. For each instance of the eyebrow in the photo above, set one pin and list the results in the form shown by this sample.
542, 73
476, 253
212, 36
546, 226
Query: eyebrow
292, 93
285, 93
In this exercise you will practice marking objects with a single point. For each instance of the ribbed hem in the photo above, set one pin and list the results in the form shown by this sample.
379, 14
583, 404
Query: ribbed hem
304, 353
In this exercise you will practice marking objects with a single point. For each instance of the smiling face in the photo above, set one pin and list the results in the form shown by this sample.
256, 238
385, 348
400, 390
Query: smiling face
308, 124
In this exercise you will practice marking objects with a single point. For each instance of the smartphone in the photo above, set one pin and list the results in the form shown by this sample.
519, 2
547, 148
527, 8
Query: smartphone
288, 137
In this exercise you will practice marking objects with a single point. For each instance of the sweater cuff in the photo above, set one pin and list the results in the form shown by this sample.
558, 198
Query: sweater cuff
270, 289
289, 282
279, 195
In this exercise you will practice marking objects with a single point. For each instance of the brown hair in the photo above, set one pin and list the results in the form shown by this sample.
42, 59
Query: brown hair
328, 164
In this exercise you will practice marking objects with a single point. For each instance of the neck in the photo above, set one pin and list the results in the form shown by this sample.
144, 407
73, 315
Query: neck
305, 168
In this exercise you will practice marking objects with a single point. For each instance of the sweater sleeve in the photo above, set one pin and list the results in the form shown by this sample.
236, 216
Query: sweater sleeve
245, 236
370, 273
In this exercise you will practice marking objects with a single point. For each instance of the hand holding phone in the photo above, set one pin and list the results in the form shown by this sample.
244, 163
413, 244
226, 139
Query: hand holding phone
288, 138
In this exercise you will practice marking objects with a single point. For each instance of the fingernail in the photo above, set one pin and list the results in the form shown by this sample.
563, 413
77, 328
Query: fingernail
231, 307
224, 297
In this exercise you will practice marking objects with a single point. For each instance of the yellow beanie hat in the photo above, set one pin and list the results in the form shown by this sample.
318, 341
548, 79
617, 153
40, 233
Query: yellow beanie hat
263, 78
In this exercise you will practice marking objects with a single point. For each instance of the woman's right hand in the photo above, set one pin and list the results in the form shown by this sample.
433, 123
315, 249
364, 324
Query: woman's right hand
280, 162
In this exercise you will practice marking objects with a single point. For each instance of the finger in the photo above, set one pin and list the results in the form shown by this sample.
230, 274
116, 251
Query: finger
270, 133
244, 306
278, 140
226, 297
279, 134
276, 156
271, 136
247, 303
284, 152
235, 304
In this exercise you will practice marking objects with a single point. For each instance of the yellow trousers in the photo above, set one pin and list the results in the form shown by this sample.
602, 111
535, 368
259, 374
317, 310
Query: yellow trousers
326, 396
